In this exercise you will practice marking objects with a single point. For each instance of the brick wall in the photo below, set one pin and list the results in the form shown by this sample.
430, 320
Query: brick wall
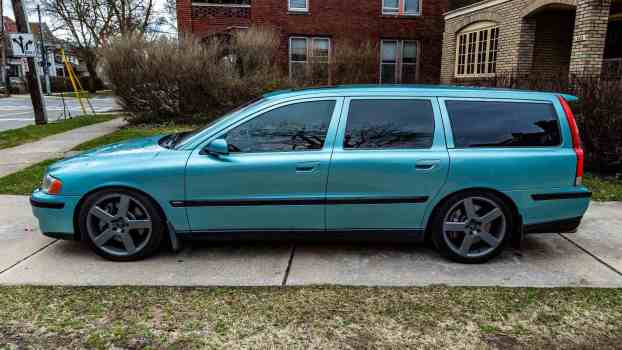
533, 36
344, 20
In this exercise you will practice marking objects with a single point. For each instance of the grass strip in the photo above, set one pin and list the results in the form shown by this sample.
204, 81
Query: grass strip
310, 317
31, 133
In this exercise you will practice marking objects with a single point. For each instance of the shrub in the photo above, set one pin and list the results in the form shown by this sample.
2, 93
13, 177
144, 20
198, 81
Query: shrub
598, 112
191, 80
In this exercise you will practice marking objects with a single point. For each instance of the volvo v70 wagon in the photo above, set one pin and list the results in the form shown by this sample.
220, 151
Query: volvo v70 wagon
467, 169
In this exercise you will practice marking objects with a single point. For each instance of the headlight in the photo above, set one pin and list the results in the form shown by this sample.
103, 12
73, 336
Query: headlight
51, 185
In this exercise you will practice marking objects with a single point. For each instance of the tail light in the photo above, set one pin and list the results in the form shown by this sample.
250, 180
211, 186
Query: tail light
576, 139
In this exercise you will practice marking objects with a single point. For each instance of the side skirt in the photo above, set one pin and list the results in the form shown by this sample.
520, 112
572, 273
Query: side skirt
353, 235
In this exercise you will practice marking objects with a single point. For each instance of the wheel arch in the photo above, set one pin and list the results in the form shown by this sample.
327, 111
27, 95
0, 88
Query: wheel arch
516, 216
78, 207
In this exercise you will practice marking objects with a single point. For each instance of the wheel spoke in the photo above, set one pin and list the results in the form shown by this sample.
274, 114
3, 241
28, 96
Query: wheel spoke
489, 239
139, 224
454, 226
491, 216
104, 237
128, 242
101, 214
124, 205
469, 208
465, 247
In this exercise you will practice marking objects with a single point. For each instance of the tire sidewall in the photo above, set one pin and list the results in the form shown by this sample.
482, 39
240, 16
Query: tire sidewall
439, 216
157, 226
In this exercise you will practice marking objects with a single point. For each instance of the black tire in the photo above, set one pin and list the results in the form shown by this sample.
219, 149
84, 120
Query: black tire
438, 236
158, 224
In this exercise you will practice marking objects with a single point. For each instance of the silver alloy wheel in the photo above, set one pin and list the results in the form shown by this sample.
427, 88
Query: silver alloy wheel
474, 227
119, 224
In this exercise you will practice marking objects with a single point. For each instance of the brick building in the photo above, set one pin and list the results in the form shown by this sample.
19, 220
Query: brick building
408, 32
546, 38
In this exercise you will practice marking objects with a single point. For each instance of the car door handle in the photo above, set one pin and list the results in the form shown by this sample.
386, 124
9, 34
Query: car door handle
427, 164
307, 167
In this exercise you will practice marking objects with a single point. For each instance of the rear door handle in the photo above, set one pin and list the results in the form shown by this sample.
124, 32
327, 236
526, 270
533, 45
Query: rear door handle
427, 164
307, 167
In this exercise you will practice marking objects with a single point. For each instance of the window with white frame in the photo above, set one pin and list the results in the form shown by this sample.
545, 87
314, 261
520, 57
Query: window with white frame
399, 59
476, 50
308, 56
401, 7
298, 5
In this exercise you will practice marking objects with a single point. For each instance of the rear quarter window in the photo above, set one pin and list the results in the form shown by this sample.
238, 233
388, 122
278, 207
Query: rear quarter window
503, 124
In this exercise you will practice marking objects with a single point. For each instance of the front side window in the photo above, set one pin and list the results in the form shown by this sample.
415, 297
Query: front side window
503, 124
399, 60
400, 7
476, 50
298, 5
296, 127
389, 124
308, 58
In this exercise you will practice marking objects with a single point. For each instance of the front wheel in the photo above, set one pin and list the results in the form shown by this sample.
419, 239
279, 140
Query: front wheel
121, 225
472, 227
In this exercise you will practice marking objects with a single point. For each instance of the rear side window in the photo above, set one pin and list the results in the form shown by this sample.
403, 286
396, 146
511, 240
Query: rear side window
382, 124
503, 124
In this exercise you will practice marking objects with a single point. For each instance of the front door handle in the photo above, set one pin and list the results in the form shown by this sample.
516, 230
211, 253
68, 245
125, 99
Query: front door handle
307, 167
427, 164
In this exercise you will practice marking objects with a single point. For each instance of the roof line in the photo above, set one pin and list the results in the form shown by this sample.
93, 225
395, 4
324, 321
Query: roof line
472, 8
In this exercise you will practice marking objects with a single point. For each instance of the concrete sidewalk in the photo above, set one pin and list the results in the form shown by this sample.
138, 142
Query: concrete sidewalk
17, 158
591, 257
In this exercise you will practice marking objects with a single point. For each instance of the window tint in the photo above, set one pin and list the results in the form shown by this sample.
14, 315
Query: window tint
389, 124
296, 127
503, 124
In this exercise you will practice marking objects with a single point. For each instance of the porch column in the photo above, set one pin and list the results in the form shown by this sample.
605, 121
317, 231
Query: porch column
590, 33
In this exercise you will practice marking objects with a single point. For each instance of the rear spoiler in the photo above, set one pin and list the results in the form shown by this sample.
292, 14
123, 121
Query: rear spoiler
569, 98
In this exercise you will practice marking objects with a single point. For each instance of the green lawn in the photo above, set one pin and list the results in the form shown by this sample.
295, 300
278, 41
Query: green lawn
310, 317
604, 188
16, 137
25, 181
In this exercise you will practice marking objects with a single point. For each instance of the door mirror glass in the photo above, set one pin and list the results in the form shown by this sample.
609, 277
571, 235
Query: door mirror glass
217, 147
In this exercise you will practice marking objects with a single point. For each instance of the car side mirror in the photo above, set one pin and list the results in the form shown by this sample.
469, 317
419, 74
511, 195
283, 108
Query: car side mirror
217, 147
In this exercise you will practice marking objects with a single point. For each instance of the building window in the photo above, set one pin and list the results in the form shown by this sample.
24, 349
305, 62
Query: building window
476, 50
308, 58
399, 59
298, 5
400, 7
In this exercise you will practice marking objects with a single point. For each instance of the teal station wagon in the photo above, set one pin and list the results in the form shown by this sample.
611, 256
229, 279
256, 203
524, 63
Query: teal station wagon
468, 169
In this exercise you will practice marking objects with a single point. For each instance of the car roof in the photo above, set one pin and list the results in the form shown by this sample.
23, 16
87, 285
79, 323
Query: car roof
422, 90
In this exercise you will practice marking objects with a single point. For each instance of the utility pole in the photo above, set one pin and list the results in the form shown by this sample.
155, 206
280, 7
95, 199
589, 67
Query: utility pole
44, 55
34, 84
5, 73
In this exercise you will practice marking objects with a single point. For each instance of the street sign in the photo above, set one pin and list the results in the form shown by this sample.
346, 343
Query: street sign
22, 45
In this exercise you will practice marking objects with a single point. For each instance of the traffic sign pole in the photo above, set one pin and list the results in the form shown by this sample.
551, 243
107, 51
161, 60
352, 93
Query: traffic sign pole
34, 84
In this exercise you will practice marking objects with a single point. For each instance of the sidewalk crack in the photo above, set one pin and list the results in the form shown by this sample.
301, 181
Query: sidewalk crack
28, 256
289, 266
591, 254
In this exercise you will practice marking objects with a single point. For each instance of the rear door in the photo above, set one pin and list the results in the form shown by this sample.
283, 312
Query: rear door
389, 161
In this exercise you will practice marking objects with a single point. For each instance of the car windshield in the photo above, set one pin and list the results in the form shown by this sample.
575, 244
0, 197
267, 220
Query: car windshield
178, 140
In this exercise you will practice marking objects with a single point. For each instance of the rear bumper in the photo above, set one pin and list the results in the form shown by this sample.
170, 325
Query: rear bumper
557, 226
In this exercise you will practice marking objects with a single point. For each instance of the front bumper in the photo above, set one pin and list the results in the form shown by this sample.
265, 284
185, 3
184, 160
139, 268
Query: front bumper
55, 214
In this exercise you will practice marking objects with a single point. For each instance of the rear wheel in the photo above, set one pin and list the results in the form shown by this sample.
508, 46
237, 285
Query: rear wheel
121, 225
472, 227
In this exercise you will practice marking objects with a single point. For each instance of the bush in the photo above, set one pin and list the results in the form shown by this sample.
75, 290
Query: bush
598, 112
192, 80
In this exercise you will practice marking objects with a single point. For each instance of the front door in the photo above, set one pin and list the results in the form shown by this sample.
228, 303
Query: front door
274, 177
389, 161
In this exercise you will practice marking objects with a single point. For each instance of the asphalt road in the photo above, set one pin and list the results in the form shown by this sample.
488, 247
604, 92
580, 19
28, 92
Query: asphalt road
16, 111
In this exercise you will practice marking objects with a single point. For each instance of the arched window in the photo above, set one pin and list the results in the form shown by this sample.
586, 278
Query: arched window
476, 50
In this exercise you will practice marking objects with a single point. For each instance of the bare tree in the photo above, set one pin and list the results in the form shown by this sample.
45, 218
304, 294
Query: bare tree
90, 24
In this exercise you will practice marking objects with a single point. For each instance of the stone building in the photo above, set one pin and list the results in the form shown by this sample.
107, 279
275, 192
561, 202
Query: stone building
408, 33
544, 38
